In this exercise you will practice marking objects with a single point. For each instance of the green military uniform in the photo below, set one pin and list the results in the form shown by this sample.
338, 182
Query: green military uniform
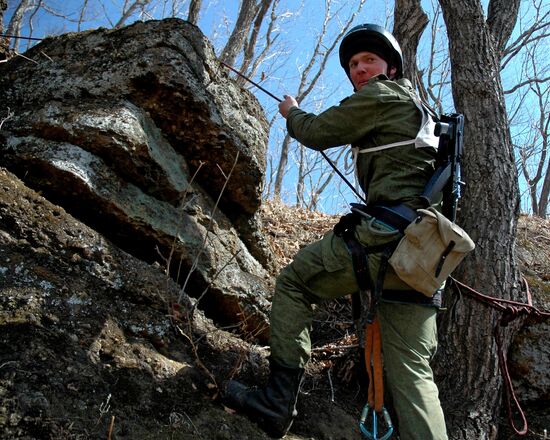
382, 112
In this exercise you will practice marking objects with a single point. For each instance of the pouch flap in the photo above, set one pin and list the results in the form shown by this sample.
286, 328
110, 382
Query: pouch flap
450, 231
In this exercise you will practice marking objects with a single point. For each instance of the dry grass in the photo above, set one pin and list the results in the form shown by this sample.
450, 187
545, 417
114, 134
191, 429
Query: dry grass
288, 229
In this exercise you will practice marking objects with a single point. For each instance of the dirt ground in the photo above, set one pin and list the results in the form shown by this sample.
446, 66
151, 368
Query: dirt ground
97, 344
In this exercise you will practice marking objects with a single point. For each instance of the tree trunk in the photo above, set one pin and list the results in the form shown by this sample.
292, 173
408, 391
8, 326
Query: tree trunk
281, 167
410, 20
16, 21
194, 9
250, 44
545, 193
467, 365
238, 36
129, 11
4, 42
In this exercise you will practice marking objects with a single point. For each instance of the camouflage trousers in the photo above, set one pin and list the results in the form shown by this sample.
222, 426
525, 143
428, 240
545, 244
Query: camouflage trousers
322, 271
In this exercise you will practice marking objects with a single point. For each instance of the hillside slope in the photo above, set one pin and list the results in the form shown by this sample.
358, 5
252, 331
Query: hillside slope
95, 342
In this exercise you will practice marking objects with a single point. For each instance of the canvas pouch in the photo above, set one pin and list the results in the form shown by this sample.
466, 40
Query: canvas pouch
431, 248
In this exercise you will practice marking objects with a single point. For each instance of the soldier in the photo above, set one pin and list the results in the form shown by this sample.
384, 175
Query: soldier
382, 121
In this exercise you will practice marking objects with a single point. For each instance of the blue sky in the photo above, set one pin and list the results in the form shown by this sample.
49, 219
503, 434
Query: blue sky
298, 25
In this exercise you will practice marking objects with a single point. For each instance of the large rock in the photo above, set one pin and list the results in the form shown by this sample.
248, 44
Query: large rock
529, 360
529, 356
140, 134
90, 335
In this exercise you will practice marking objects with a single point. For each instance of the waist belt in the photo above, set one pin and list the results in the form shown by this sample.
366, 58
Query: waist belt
396, 216
413, 297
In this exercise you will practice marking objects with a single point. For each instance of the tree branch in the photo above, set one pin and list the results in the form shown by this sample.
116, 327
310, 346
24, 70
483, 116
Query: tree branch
525, 83
501, 20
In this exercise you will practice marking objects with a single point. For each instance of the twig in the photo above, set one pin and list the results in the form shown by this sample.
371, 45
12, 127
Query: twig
208, 229
27, 58
216, 275
42, 52
104, 407
335, 347
331, 387
197, 357
111, 425
9, 116
189, 334
180, 219
192, 424
238, 364
7, 363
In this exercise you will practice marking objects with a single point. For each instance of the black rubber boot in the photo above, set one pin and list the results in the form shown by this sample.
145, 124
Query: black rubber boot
274, 407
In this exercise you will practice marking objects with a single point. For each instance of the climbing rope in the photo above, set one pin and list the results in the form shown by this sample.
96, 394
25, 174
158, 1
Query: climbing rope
510, 311
20, 38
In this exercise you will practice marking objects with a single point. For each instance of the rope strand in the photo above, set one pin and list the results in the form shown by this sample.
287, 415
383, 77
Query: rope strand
510, 311
21, 38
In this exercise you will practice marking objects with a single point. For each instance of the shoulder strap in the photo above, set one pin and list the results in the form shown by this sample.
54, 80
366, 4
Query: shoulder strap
425, 137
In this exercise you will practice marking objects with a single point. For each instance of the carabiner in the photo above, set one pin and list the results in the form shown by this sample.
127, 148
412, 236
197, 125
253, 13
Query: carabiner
373, 435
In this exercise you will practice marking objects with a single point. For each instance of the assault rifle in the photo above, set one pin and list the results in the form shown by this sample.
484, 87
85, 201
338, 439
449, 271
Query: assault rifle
446, 178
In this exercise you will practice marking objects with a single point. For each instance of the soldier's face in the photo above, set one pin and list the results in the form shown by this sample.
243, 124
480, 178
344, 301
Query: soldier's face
365, 65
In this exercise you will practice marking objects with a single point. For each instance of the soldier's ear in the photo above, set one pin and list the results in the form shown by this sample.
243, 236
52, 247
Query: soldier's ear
392, 72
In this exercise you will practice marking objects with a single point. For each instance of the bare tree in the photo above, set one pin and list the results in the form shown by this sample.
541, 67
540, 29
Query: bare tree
32, 15
257, 29
533, 144
4, 42
410, 20
16, 21
250, 44
478, 53
438, 74
490, 207
236, 41
82, 15
528, 101
309, 77
129, 10
315, 176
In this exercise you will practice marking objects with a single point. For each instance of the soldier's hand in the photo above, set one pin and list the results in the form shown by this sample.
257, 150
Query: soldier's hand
286, 105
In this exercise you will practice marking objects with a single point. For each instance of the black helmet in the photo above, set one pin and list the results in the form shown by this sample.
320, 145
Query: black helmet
371, 38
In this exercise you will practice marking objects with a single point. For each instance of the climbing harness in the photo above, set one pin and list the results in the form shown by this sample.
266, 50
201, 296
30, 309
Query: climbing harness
426, 136
368, 288
375, 403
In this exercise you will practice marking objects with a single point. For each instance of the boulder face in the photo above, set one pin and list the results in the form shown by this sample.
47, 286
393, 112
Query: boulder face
140, 134
90, 335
